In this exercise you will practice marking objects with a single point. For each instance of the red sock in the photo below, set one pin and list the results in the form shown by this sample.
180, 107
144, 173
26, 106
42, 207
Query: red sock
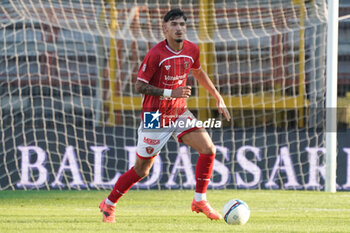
203, 172
124, 183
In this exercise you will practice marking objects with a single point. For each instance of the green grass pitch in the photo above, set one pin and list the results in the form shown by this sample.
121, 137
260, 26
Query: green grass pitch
169, 211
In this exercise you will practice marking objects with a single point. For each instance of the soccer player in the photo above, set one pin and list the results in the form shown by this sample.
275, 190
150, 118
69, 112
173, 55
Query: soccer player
162, 82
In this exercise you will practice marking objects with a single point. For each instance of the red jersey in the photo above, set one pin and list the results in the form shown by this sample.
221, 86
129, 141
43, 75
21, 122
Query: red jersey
164, 68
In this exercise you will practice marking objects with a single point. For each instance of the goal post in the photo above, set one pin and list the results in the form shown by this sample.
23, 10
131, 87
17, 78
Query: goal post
70, 113
206, 46
331, 96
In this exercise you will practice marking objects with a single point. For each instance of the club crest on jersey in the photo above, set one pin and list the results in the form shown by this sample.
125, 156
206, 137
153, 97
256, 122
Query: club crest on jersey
186, 65
149, 149
167, 67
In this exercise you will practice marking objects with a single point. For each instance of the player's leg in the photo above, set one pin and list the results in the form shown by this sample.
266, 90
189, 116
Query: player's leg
124, 183
202, 143
148, 146
129, 178
200, 140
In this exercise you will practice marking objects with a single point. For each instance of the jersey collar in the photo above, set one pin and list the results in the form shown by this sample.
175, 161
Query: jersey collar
166, 46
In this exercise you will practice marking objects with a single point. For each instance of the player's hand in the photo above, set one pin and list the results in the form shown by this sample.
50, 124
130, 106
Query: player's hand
220, 104
181, 92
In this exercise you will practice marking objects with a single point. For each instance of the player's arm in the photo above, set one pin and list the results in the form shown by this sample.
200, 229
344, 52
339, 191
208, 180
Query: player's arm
205, 81
148, 89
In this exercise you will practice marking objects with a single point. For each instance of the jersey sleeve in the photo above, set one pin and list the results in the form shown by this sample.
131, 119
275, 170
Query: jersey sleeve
196, 64
148, 67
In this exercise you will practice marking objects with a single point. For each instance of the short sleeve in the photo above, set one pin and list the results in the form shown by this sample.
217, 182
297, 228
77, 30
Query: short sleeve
196, 62
148, 68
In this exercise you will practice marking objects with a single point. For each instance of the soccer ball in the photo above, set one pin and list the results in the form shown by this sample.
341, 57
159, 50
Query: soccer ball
236, 212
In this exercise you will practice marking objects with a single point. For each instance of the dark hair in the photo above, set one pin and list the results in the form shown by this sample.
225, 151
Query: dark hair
174, 14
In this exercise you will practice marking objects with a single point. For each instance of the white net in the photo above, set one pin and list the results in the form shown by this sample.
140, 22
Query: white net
69, 112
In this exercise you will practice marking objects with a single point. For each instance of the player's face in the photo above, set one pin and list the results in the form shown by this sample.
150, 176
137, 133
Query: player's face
175, 29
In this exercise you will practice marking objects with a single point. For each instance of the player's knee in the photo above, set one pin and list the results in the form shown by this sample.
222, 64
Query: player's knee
141, 172
208, 150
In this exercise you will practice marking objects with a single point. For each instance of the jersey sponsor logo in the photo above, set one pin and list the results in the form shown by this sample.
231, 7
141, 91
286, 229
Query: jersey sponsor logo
144, 67
174, 78
149, 149
151, 141
151, 120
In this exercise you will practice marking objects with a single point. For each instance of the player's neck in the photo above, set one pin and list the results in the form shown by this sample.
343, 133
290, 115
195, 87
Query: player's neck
176, 46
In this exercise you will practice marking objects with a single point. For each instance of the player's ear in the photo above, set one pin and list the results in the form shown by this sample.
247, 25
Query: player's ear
164, 26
